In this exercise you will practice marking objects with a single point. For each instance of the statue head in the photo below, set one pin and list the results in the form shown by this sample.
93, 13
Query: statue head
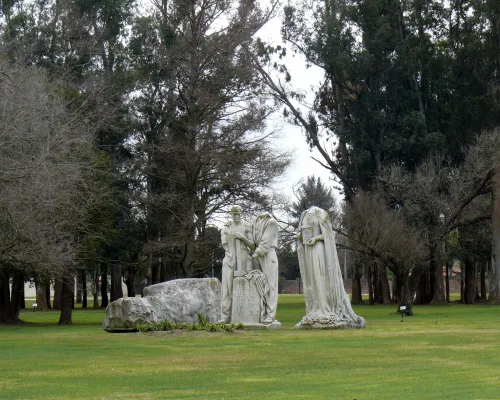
236, 213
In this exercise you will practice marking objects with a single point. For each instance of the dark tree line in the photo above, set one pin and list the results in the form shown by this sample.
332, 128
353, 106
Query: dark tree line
143, 124
408, 90
176, 132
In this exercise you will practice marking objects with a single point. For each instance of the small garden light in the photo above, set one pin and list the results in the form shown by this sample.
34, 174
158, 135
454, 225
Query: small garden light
402, 310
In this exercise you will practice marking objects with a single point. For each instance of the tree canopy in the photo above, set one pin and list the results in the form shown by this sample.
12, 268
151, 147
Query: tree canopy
129, 128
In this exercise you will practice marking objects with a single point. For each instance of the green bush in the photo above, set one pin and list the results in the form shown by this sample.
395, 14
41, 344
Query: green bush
202, 319
202, 325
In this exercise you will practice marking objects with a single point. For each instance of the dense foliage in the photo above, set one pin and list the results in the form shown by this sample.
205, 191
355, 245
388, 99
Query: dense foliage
128, 128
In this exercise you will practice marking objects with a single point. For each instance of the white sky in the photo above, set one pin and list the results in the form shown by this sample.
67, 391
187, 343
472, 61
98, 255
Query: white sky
291, 136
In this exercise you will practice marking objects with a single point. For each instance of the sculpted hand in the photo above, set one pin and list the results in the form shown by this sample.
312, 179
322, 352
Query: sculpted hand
315, 239
239, 235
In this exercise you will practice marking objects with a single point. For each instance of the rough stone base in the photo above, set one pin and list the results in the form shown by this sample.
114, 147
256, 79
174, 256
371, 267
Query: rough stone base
329, 322
258, 326
180, 301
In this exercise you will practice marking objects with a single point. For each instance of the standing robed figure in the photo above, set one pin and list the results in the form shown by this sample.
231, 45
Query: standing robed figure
327, 303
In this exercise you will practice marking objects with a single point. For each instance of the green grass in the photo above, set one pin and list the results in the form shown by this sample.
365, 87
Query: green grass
443, 352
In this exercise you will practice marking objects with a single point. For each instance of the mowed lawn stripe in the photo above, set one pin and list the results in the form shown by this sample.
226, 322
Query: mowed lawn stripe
443, 352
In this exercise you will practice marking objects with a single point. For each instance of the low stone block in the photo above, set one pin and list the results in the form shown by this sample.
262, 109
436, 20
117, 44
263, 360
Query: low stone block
179, 300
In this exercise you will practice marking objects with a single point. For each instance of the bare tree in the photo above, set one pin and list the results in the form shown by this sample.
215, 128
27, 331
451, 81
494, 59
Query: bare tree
379, 232
412, 213
495, 248
438, 198
45, 153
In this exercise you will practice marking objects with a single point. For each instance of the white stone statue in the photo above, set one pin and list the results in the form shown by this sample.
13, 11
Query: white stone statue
265, 239
250, 271
327, 303
237, 257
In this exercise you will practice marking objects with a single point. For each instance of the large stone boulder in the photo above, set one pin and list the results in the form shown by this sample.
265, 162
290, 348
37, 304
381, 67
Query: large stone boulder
180, 300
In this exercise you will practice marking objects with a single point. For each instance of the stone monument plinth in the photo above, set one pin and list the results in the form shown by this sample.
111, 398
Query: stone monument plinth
249, 290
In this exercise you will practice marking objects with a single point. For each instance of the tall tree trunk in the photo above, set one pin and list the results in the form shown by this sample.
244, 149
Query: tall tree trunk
406, 296
396, 290
155, 274
57, 293
462, 282
356, 286
187, 263
130, 281
41, 297
370, 284
17, 294
494, 297
96, 287
6, 314
384, 282
79, 289
378, 295
23, 298
376, 284
171, 269
47, 295
150, 269
67, 299
447, 282
116, 282
104, 285
164, 275
483, 280
478, 293
424, 292
438, 295
470, 282
84, 289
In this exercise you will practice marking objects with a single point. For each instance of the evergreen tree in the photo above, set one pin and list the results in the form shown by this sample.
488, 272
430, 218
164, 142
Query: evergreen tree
310, 193
402, 80
199, 121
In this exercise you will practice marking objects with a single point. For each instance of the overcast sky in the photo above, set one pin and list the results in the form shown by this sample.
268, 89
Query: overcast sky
292, 137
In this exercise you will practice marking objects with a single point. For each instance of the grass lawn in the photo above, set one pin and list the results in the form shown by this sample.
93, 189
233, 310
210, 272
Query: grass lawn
443, 352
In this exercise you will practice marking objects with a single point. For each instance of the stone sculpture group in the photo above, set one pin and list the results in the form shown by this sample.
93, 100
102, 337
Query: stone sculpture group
249, 290
250, 271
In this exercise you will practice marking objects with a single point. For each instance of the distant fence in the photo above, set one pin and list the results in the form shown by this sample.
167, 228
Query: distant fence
295, 286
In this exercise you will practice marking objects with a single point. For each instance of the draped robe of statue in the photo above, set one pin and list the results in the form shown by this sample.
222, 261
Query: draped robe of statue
327, 304
237, 258
265, 237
